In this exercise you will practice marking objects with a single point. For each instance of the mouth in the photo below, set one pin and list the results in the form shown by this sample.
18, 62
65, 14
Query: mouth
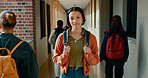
76, 24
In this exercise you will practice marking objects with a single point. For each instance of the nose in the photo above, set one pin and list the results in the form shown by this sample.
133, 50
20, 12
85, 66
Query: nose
74, 20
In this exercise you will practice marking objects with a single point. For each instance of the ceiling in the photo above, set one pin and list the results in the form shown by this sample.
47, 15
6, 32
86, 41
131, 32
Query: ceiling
70, 3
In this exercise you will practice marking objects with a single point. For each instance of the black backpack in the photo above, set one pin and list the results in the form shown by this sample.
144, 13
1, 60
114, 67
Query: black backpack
86, 34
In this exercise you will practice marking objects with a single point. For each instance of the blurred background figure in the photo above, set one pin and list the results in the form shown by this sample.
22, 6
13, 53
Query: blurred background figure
52, 39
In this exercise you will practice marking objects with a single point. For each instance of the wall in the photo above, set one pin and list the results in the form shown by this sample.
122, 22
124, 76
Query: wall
58, 13
41, 44
120, 8
24, 14
117, 10
142, 26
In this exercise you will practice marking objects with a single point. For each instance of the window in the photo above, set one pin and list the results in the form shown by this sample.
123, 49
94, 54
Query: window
131, 17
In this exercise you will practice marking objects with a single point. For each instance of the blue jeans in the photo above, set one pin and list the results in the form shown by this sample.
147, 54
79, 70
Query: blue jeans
74, 73
56, 68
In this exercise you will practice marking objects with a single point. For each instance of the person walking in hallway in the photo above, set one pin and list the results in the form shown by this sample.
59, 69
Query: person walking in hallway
114, 49
52, 39
76, 48
26, 63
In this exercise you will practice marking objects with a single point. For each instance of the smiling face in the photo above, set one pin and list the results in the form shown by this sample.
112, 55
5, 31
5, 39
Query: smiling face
75, 19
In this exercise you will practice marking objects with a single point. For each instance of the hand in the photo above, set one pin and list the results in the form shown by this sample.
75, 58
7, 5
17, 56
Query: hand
86, 49
66, 50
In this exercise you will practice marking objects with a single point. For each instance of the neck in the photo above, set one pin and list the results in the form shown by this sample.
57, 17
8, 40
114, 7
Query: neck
7, 31
76, 31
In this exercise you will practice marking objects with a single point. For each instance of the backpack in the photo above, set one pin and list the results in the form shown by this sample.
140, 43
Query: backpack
7, 64
114, 46
86, 34
56, 34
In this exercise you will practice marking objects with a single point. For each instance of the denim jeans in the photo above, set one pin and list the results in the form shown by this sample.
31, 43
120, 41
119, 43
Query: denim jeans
56, 67
74, 73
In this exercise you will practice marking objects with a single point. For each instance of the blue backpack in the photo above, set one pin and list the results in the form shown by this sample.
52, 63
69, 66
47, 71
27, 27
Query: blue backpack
86, 34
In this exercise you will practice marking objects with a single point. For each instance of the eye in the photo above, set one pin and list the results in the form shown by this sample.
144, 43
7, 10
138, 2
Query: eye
78, 17
71, 18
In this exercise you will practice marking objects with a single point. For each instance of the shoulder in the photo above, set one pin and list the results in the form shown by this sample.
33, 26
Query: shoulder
107, 31
92, 38
59, 41
25, 46
60, 37
124, 34
52, 32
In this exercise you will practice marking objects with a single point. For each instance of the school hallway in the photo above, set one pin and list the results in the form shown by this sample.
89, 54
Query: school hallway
36, 19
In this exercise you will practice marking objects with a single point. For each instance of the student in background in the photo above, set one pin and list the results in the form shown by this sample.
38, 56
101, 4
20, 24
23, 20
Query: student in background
76, 57
52, 39
114, 49
26, 63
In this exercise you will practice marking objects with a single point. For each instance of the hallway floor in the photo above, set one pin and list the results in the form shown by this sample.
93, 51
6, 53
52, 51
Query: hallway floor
47, 71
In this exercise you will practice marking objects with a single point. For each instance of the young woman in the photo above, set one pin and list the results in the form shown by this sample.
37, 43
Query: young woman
24, 56
114, 49
76, 58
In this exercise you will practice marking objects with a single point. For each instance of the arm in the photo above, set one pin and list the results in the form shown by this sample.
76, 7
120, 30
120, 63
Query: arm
59, 57
103, 48
126, 49
51, 36
92, 58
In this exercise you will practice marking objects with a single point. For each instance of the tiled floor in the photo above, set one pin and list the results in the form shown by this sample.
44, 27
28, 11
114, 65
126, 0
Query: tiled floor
46, 70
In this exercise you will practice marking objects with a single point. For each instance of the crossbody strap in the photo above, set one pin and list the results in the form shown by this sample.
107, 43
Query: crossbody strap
87, 37
16, 46
65, 37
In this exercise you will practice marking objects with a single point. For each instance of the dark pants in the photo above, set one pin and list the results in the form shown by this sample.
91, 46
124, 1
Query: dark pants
118, 70
74, 73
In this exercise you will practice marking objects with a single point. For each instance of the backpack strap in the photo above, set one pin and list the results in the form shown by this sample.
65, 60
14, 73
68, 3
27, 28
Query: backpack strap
8, 51
86, 34
65, 37
87, 37
16, 46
